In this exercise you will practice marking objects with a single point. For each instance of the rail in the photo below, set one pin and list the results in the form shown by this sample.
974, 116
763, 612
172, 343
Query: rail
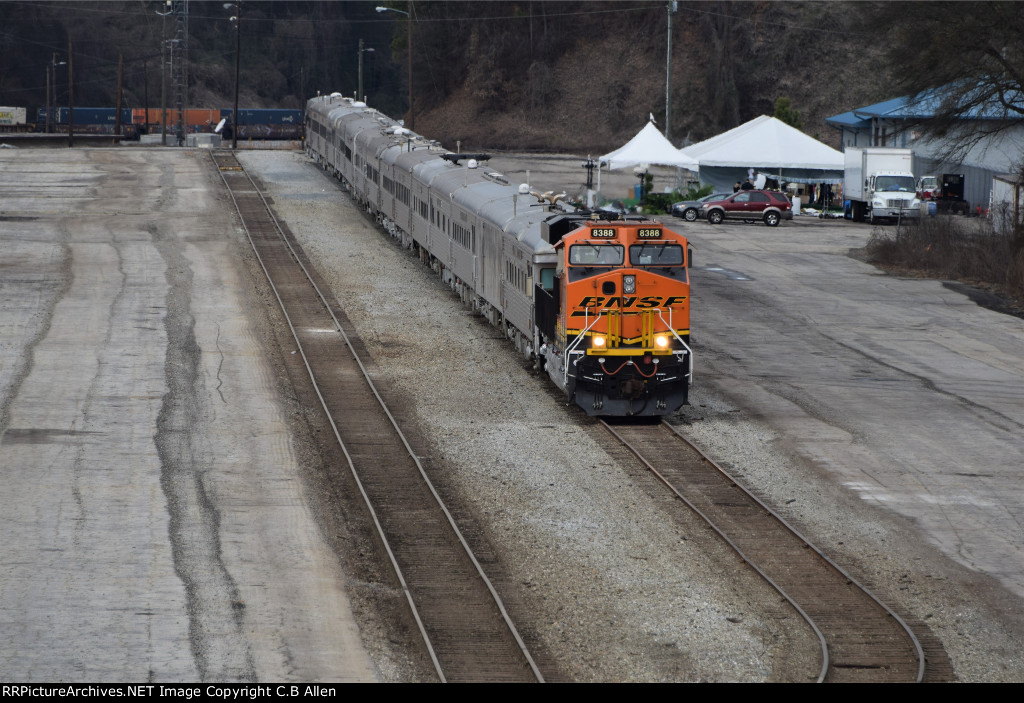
731, 511
227, 163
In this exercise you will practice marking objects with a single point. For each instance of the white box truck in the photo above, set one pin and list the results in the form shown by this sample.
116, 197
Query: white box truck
879, 184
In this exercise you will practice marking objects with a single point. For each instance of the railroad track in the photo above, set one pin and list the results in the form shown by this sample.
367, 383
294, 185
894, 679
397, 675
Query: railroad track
861, 638
466, 630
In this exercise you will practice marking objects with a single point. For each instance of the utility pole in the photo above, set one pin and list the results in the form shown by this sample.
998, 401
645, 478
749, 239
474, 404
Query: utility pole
163, 93
411, 122
71, 98
359, 95
179, 66
672, 7
120, 89
163, 72
238, 54
51, 107
412, 114
145, 92
183, 35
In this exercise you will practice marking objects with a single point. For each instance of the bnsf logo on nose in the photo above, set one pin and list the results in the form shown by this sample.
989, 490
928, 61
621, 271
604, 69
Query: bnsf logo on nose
623, 301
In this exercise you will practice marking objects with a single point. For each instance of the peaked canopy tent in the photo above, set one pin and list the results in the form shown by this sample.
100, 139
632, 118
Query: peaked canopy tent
649, 146
768, 146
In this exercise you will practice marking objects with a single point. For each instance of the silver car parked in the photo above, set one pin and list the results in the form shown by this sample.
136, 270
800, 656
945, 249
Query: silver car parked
688, 209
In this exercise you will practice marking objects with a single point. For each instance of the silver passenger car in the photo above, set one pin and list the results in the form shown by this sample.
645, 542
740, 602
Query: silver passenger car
478, 230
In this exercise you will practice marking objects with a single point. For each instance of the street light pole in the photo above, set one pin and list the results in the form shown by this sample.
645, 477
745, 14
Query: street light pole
672, 6
163, 73
54, 63
238, 53
71, 97
412, 115
411, 122
120, 92
163, 93
360, 94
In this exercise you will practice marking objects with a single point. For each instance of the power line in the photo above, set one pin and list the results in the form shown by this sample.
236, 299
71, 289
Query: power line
690, 8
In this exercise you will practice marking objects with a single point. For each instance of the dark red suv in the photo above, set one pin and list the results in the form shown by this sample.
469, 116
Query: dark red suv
769, 206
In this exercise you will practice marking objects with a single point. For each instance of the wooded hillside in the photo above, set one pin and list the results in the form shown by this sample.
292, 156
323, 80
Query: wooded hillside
564, 76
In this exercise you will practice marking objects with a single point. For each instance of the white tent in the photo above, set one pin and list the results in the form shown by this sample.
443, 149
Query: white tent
649, 146
768, 146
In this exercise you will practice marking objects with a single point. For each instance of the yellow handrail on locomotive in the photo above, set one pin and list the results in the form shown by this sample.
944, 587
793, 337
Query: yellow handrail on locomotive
647, 329
614, 326
647, 341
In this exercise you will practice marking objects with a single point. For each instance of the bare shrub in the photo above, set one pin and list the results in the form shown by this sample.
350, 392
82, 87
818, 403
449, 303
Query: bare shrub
964, 249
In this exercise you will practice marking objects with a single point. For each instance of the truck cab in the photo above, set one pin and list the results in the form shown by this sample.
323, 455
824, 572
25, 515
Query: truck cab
927, 186
893, 196
949, 196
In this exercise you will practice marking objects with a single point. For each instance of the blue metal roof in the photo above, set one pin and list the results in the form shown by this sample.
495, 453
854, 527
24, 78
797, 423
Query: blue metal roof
895, 108
922, 106
848, 119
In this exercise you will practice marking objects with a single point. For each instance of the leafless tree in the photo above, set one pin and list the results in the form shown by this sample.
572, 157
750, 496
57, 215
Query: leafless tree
962, 61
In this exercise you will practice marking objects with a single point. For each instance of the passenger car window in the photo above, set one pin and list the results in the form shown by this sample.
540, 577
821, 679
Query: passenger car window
742, 198
758, 198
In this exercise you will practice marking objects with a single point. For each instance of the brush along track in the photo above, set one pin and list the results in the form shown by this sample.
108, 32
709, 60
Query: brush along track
861, 639
463, 622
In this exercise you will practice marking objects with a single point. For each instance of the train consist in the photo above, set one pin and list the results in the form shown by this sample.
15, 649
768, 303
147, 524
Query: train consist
599, 302
252, 124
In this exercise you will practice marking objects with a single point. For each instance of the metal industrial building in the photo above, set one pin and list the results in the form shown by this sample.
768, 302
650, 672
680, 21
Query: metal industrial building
897, 123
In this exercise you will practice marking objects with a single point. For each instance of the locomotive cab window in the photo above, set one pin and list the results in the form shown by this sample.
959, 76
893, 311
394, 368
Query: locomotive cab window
596, 255
655, 254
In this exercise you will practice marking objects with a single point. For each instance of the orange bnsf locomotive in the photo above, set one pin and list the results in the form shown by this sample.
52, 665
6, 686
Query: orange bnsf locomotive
602, 305
616, 323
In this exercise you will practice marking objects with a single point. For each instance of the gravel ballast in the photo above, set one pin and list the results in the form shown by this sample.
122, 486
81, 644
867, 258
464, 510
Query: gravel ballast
607, 577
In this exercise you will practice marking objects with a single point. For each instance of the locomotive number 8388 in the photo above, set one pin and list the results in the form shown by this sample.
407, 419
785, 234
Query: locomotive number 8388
600, 303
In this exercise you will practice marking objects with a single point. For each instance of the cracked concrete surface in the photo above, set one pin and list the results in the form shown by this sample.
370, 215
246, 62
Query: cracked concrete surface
152, 517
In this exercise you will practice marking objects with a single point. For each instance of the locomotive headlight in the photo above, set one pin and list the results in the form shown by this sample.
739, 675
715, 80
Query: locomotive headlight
629, 284
598, 341
661, 341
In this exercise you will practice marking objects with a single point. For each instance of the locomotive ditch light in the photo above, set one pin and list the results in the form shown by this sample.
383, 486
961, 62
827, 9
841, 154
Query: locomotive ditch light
661, 341
629, 284
598, 341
